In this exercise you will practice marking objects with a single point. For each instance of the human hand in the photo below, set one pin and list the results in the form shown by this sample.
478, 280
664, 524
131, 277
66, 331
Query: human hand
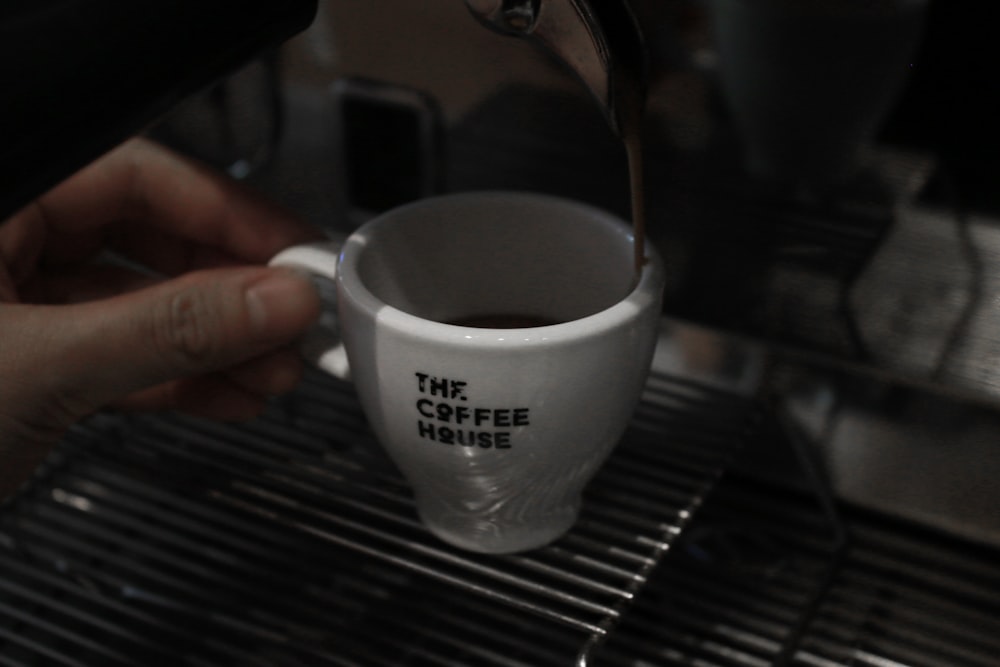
212, 336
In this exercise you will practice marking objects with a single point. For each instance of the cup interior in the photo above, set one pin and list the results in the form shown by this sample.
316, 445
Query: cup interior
491, 254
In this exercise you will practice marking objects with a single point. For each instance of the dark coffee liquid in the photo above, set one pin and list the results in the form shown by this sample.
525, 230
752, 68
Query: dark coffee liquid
503, 321
631, 104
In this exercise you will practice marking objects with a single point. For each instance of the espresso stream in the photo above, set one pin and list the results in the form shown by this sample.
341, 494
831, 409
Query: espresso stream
633, 148
631, 135
631, 105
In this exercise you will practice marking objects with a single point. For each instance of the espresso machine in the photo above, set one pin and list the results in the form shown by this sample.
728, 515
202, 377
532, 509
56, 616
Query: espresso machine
810, 477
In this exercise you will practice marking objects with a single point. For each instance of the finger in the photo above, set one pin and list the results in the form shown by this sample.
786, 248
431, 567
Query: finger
86, 283
8, 292
101, 351
165, 253
211, 396
22, 239
143, 182
271, 374
240, 392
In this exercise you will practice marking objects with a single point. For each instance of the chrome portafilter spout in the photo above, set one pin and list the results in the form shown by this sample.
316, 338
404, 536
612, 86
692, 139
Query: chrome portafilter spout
599, 40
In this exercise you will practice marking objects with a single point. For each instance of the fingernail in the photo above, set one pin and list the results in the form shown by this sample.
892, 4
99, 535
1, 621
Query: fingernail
282, 305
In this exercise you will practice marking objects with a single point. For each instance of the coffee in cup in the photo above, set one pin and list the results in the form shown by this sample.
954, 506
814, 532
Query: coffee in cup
499, 343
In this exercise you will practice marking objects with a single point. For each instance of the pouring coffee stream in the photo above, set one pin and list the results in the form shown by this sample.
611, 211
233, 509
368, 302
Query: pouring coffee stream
601, 42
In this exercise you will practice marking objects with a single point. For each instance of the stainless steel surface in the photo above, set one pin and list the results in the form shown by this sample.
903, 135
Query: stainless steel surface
736, 583
166, 540
877, 305
291, 540
893, 269
913, 449
866, 319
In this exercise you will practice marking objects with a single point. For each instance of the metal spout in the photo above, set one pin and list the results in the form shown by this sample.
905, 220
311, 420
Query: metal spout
599, 40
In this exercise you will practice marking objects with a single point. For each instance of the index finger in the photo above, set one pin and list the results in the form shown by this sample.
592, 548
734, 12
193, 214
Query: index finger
144, 182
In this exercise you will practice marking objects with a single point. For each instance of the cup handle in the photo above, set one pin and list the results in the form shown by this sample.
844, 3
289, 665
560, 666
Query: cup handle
322, 344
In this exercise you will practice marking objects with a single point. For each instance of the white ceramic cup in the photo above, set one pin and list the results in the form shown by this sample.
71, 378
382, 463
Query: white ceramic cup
498, 430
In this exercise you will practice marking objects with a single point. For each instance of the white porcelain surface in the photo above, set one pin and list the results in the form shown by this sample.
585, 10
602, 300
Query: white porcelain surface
497, 430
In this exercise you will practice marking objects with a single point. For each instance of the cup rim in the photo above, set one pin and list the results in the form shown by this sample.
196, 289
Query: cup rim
645, 292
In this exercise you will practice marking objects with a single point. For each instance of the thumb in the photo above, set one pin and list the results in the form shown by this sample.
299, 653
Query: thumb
199, 323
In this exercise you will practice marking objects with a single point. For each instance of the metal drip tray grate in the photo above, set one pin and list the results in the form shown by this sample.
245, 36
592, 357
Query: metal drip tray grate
735, 586
292, 540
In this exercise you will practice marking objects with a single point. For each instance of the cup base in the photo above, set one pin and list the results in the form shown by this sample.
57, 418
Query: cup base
499, 535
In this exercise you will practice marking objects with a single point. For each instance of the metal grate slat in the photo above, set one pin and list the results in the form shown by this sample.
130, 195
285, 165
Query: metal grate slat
734, 585
292, 540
